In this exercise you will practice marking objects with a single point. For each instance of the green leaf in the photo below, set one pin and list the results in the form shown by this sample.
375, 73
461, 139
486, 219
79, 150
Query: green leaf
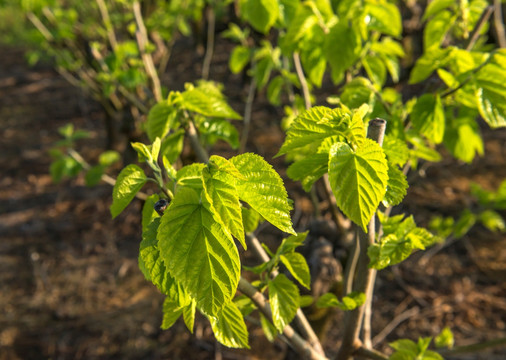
297, 265
463, 138
274, 90
390, 251
284, 300
309, 169
161, 118
212, 130
396, 150
444, 339
349, 302
396, 187
327, 300
263, 189
94, 175
261, 14
357, 92
436, 6
143, 152
208, 104
239, 58
385, 18
289, 244
428, 117
172, 145
464, 224
190, 176
129, 182
250, 219
303, 20
313, 127
375, 68
107, 158
171, 312
436, 29
244, 304
428, 63
342, 49
358, 179
150, 261
229, 327
189, 315
198, 253
148, 211
491, 106
269, 330
219, 187
492, 221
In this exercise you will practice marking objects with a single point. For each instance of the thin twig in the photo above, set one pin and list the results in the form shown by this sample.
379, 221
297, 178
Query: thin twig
371, 354
499, 25
211, 21
302, 346
302, 79
40, 26
107, 22
394, 323
248, 108
200, 152
142, 40
479, 26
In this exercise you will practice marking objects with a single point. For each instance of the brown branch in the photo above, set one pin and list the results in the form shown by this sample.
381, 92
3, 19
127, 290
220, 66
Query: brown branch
479, 26
371, 354
302, 79
247, 114
107, 22
211, 21
142, 40
302, 346
498, 24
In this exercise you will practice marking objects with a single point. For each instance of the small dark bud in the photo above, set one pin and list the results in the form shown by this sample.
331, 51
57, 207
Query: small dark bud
160, 206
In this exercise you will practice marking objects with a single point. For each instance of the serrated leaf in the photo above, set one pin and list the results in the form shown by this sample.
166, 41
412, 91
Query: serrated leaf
302, 21
190, 176
390, 251
150, 262
250, 219
342, 49
161, 118
396, 187
263, 190
189, 315
129, 182
219, 187
284, 300
261, 14
375, 68
297, 265
314, 126
239, 58
171, 312
357, 92
358, 179
309, 169
204, 103
428, 117
292, 242
198, 253
212, 130
229, 327
491, 106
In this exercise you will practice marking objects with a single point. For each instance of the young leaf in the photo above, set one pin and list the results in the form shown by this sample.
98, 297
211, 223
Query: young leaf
396, 187
428, 63
219, 187
342, 49
444, 339
229, 327
384, 17
263, 189
284, 299
297, 265
161, 118
270, 330
349, 302
190, 176
428, 117
212, 130
358, 179
309, 169
198, 253
129, 182
239, 58
207, 103
261, 14
314, 126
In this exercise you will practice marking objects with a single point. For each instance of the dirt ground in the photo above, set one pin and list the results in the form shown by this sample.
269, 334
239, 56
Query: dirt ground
70, 287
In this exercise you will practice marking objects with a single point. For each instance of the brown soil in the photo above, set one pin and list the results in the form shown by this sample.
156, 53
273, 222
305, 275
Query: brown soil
70, 285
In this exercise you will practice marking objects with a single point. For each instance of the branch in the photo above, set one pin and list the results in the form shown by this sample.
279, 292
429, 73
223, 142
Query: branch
247, 114
107, 22
498, 23
302, 79
302, 346
479, 26
371, 354
474, 347
201, 153
211, 20
142, 40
